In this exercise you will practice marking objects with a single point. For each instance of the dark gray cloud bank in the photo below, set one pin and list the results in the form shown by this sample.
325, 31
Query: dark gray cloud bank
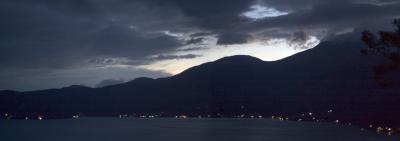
48, 43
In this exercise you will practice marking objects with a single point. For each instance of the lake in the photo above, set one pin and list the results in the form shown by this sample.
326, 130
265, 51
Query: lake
170, 129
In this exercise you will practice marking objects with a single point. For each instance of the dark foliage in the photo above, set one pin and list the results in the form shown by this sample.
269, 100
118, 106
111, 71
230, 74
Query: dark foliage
387, 45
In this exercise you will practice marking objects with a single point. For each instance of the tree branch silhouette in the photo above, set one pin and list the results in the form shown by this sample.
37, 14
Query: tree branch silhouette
387, 45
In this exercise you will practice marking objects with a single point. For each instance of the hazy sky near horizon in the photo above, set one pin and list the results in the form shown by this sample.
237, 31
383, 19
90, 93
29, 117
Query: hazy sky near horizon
50, 44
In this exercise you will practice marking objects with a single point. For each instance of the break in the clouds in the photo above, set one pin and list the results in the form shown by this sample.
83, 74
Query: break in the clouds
260, 12
46, 44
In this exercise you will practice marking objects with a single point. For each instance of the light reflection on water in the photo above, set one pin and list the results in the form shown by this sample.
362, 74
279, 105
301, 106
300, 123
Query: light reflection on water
169, 129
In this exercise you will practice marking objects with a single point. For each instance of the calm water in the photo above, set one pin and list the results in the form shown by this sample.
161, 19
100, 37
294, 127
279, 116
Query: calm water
135, 129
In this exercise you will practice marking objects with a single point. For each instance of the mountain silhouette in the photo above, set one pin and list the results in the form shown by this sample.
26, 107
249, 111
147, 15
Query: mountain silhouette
333, 75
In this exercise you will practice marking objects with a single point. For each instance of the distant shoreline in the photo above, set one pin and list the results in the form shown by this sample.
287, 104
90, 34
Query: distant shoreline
361, 127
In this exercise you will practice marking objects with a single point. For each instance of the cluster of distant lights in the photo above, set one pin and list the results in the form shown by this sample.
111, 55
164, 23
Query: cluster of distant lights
379, 129
309, 117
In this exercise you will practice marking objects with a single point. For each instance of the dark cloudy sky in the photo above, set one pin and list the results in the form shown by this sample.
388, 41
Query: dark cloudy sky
56, 43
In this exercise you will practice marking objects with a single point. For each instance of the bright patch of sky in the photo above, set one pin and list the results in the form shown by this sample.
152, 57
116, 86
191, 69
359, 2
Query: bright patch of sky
173, 34
271, 50
259, 12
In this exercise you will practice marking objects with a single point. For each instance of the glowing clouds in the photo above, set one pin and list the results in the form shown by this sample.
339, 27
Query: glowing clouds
268, 50
259, 12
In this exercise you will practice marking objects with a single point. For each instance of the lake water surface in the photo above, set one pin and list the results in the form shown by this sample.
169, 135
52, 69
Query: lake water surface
170, 129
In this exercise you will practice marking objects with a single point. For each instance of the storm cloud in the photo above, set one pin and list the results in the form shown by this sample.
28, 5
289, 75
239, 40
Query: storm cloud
46, 39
